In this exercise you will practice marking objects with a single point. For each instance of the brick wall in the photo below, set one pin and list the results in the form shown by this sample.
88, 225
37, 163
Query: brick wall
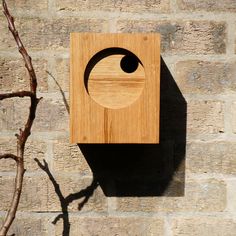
195, 175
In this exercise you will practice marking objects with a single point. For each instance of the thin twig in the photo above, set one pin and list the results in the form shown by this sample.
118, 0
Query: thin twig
61, 91
24, 133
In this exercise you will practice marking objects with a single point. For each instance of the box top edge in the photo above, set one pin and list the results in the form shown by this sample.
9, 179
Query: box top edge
132, 33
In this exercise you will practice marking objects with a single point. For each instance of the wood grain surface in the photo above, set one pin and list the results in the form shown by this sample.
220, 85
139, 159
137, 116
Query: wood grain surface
107, 104
112, 87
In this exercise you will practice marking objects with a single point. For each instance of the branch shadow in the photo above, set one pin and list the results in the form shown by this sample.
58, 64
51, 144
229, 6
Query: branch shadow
65, 201
146, 169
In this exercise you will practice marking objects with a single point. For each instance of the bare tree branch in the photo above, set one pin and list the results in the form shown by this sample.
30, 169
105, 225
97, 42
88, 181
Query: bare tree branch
22, 50
9, 156
24, 133
19, 94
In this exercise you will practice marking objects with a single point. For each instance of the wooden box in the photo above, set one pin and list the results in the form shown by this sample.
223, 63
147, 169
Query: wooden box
114, 88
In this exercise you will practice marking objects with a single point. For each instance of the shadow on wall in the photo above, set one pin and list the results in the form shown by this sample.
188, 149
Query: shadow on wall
135, 169
146, 169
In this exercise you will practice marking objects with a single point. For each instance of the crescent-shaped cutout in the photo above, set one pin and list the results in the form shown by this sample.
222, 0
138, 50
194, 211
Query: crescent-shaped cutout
114, 78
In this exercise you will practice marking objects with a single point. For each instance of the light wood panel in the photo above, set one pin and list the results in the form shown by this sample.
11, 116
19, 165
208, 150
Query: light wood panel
112, 87
108, 105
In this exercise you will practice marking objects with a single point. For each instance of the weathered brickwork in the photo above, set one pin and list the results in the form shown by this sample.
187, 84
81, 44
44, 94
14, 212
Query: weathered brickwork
197, 37
183, 186
29, 226
204, 226
200, 196
204, 77
68, 158
208, 5
62, 74
38, 194
205, 117
28, 6
233, 116
161, 6
14, 75
34, 148
87, 226
51, 115
49, 34
211, 157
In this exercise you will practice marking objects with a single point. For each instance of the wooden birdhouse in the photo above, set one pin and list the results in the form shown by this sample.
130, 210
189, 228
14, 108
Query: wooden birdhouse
115, 88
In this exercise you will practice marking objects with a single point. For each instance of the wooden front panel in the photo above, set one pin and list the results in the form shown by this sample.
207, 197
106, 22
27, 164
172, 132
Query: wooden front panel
107, 104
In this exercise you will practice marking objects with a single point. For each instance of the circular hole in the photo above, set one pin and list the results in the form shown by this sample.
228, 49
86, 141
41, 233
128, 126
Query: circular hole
129, 64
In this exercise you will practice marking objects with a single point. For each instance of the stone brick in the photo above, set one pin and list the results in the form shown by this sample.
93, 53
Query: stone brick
200, 196
20, 113
6, 39
204, 226
62, 75
218, 157
231, 195
29, 198
175, 186
28, 226
75, 189
197, 37
68, 158
14, 113
207, 5
46, 34
161, 6
38, 194
120, 226
6, 114
50, 115
26, 5
14, 75
33, 149
6, 192
235, 45
34, 193
233, 116
205, 117
204, 77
